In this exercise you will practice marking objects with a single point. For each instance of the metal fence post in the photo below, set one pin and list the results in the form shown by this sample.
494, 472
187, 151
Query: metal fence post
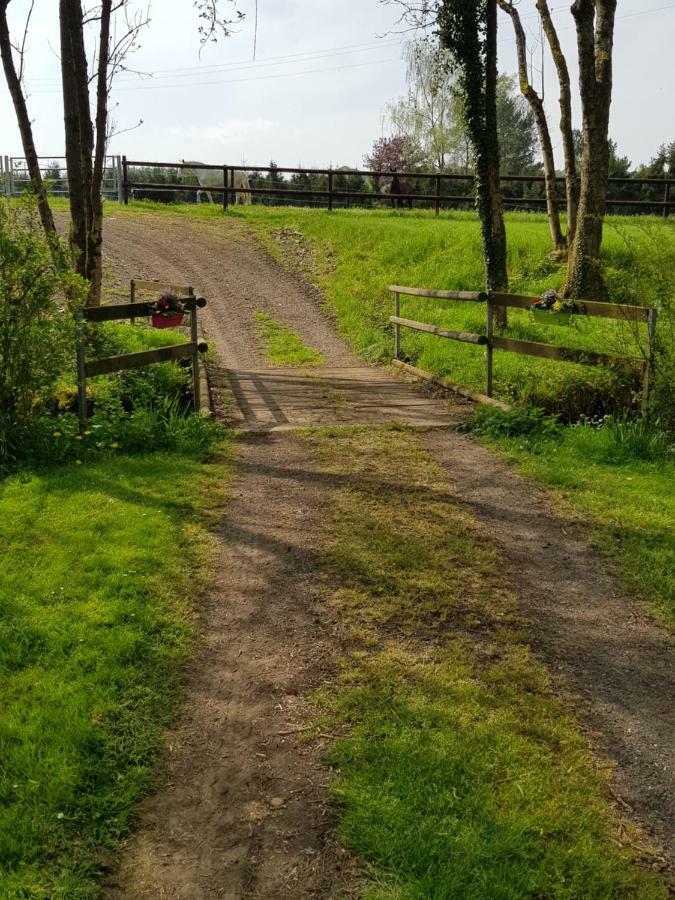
666, 200
437, 204
330, 190
225, 185
651, 334
488, 347
397, 328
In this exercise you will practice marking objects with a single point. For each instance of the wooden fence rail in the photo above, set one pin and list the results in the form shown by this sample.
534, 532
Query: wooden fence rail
332, 193
118, 311
492, 342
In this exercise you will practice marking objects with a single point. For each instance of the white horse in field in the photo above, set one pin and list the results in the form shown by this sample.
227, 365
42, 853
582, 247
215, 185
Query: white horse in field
213, 178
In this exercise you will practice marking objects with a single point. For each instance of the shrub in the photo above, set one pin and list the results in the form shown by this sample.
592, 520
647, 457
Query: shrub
36, 325
518, 422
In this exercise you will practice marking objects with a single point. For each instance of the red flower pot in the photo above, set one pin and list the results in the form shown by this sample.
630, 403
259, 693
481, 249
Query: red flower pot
175, 320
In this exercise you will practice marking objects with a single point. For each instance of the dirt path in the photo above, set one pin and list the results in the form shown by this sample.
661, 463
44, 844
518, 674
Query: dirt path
243, 812
230, 268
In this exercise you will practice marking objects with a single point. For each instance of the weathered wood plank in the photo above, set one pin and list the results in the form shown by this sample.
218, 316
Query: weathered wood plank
583, 307
111, 312
450, 385
143, 358
439, 295
567, 354
464, 336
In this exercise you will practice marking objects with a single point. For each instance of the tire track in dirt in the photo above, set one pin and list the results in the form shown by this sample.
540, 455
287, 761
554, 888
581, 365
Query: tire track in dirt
243, 811
583, 626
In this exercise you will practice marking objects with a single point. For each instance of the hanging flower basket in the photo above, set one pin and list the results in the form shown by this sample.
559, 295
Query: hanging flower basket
167, 312
160, 320
551, 310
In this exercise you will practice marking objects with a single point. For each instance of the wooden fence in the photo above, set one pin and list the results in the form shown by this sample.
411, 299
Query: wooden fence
132, 310
637, 314
434, 196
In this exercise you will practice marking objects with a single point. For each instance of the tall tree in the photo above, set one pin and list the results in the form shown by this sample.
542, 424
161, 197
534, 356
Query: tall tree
594, 21
516, 129
537, 106
428, 114
468, 29
86, 130
566, 130
14, 78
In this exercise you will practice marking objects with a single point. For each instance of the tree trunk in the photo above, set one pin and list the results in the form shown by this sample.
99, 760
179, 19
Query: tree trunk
595, 28
99, 154
470, 33
489, 193
79, 133
25, 127
571, 176
537, 107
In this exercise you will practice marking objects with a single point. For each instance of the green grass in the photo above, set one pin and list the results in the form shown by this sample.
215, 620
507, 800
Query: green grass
358, 253
461, 773
627, 503
100, 568
284, 346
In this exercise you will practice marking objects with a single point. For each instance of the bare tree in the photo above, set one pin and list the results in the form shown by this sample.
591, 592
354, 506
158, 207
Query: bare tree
14, 78
537, 106
117, 25
594, 20
566, 129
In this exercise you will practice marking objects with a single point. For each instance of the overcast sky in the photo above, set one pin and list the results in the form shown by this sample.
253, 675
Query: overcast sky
323, 74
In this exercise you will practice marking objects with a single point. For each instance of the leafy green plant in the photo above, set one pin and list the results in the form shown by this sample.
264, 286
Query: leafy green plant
625, 441
36, 325
518, 422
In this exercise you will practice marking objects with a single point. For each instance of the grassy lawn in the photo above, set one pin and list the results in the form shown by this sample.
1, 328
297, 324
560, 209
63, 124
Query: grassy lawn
100, 568
284, 346
462, 774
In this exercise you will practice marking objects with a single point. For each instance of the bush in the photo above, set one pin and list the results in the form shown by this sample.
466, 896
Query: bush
519, 422
37, 330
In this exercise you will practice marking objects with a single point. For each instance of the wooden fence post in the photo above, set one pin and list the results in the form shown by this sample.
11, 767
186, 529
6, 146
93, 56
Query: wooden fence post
488, 349
330, 191
651, 334
132, 296
125, 181
80, 326
194, 337
225, 186
397, 328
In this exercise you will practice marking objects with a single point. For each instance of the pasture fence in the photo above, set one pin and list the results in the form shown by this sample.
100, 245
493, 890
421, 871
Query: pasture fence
112, 312
494, 300
333, 188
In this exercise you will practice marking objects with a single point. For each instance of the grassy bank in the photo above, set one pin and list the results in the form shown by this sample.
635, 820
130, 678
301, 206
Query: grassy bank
100, 568
462, 774
618, 481
356, 254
